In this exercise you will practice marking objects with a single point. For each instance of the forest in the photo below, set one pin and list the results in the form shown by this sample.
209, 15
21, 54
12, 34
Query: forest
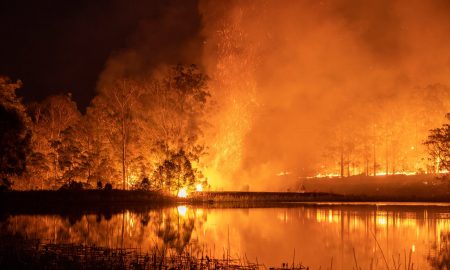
148, 134
135, 134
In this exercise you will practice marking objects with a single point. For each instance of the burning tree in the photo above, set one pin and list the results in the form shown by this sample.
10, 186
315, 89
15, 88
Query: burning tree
50, 119
134, 129
175, 173
116, 111
438, 144
148, 123
177, 104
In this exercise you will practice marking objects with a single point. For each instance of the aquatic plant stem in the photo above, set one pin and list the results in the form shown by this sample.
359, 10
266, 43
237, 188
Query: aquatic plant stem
382, 253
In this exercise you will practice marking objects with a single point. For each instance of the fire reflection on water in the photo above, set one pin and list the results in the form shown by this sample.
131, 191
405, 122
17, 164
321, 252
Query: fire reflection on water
317, 233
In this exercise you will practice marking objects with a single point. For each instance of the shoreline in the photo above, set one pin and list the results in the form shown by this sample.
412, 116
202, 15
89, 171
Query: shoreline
115, 201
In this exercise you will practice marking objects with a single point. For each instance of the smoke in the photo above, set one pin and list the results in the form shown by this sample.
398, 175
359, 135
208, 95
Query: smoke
289, 78
169, 35
300, 70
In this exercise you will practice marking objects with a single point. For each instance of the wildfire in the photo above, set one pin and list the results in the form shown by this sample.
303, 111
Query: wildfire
285, 173
199, 187
182, 193
336, 175
320, 175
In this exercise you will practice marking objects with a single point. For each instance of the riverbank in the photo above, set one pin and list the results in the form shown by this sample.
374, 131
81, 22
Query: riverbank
431, 187
113, 201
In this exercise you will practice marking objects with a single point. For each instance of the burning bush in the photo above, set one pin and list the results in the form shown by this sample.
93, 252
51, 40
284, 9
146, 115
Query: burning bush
175, 173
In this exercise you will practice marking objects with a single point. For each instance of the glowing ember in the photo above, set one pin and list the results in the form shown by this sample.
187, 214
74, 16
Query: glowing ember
182, 193
283, 173
199, 187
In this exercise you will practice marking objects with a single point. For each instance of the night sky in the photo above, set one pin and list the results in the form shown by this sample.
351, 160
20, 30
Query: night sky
63, 46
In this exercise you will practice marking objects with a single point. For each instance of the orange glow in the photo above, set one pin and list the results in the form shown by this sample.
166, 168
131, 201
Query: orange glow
199, 188
182, 193
182, 210
309, 109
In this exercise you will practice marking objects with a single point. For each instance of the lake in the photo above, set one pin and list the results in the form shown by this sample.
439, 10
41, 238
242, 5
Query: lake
320, 236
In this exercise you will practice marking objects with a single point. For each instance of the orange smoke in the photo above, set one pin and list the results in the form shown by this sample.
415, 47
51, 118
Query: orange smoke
329, 87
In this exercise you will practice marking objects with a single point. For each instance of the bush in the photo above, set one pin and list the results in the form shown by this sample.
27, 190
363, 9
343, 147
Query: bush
73, 185
108, 187
5, 184
145, 184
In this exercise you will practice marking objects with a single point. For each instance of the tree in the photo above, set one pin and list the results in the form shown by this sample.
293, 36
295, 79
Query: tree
438, 144
14, 132
115, 108
176, 105
176, 173
148, 121
50, 119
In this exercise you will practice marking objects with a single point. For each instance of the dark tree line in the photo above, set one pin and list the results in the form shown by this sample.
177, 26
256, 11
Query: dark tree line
15, 135
136, 133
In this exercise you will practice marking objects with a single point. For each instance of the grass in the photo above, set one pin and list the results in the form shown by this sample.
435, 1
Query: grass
17, 252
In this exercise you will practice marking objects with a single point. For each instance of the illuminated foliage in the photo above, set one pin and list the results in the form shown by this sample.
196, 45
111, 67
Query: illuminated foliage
175, 173
176, 106
147, 122
116, 111
50, 120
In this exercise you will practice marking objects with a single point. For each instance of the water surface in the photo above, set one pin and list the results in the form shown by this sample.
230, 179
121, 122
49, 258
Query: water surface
315, 235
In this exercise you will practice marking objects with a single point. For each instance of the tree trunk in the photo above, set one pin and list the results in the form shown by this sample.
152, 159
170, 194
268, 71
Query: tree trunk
123, 154
387, 155
374, 161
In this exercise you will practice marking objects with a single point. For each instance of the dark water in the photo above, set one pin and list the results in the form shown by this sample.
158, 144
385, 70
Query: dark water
319, 235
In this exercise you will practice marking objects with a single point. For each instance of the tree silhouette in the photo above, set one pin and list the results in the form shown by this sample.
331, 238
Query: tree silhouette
438, 144
14, 133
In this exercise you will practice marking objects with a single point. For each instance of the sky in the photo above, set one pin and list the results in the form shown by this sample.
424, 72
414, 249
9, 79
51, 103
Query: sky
63, 46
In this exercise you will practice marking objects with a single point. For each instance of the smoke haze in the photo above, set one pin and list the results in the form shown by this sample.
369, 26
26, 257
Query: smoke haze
289, 78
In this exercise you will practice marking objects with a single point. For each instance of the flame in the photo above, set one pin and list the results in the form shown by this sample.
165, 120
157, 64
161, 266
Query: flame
182, 193
199, 187
383, 173
284, 173
320, 175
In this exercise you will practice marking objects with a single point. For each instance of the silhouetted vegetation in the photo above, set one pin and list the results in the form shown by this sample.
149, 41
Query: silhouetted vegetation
17, 252
438, 144
441, 258
15, 136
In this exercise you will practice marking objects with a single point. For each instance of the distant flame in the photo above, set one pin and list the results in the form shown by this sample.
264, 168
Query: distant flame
199, 187
285, 173
182, 193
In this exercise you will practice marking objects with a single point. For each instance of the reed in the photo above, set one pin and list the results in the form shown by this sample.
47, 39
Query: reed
19, 253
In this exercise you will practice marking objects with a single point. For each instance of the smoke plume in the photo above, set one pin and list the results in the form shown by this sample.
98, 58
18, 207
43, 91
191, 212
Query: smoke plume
293, 79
